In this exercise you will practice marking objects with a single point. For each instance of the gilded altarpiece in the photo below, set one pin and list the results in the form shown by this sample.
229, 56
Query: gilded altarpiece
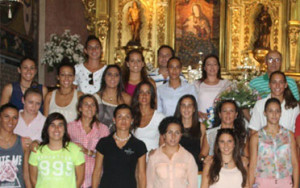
108, 19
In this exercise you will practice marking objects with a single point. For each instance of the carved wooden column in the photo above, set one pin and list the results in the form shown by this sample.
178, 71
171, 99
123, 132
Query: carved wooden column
293, 33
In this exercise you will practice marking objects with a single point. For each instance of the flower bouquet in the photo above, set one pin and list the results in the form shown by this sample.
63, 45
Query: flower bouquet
58, 47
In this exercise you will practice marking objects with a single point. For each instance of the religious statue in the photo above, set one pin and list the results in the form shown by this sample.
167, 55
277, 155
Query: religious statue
263, 24
134, 22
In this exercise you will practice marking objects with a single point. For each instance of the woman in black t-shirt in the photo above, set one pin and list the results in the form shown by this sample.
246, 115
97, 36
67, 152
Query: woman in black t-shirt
119, 154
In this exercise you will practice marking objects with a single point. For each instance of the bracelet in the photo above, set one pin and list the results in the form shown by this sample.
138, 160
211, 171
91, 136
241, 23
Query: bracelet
89, 153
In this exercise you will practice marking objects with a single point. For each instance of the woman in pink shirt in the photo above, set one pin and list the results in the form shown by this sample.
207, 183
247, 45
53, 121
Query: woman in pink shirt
86, 131
171, 166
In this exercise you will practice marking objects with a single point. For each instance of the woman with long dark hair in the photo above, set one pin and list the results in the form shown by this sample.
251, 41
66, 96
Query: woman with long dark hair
194, 132
64, 99
119, 155
134, 71
227, 115
289, 105
57, 161
227, 168
111, 94
210, 85
146, 118
13, 93
171, 165
86, 131
273, 152
89, 74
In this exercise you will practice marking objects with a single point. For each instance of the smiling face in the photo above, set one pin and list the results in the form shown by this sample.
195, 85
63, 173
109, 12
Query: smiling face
32, 103
211, 67
135, 62
174, 69
66, 77
226, 144
93, 50
228, 114
27, 70
9, 119
88, 108
277, 85
273, 113
56, 130
144, 95
173, 135
123, 120
112, 77
187, 108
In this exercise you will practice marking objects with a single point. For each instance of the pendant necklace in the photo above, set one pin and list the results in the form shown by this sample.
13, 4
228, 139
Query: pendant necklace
226, 164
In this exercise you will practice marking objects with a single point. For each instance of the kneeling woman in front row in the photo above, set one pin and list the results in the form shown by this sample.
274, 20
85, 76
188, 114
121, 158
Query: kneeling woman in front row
57, 162
119, 155
171, 165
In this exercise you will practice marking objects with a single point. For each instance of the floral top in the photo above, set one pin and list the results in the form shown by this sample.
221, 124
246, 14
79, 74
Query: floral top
274, 155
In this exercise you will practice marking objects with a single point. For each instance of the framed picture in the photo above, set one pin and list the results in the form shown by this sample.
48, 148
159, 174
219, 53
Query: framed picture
198, 29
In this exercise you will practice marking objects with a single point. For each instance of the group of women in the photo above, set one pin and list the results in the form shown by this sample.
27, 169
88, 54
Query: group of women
119, 136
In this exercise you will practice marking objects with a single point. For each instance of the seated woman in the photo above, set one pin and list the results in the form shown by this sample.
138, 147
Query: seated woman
227, 168
273, 159
13, 93
210, 85
169, 93
14, 152
171, 165
31, 121
227, 115
86, 131
146, 118
194, 132
289, 105
134, 71
119, 155
111, 94
64, 99
57, 162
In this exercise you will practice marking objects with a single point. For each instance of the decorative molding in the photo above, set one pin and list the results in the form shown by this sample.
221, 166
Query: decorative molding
103, 26
90, 14
293, 34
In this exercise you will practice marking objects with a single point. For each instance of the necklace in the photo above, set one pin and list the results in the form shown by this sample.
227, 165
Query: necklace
227, 163
122, 139
64, 94
7, 141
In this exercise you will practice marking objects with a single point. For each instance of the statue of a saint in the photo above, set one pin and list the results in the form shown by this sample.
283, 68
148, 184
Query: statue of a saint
263, 24
134, 21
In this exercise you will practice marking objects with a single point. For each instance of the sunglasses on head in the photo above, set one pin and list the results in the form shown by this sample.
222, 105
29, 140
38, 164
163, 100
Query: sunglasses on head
91, 82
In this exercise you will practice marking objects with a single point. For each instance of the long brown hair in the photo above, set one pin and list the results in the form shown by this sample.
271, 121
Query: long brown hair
126, 71
217, 163
290, 101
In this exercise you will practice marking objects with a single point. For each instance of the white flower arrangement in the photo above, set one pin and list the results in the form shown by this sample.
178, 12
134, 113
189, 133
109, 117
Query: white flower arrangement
58, 47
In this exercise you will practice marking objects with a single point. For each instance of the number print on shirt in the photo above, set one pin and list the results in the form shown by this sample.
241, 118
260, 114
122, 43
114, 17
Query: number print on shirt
57, 168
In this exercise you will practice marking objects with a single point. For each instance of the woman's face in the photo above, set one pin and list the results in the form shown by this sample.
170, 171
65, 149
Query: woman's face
56, 130
145, 95
273, 113
88, 108
226, 144
112, 77
187, 108
228, 114
135, 63
66, 77
277, 85
93, 50
211, 67
9, 119
32, 103
123, 120
172, 135
174, 69
27, 70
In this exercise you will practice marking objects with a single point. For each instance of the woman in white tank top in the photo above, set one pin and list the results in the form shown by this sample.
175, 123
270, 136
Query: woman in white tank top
227, 169
64, 99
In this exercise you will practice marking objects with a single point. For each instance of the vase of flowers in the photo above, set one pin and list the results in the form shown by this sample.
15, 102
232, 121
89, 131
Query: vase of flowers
60, 46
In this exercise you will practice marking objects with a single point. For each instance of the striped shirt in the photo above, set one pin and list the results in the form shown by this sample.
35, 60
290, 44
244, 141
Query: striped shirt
261, 84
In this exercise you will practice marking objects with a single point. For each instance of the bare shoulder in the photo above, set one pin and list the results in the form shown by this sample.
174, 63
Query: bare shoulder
7, 89
79, 94
126, 98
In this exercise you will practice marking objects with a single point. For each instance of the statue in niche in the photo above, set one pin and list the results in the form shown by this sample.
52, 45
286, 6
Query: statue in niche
263, 25
134, 22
